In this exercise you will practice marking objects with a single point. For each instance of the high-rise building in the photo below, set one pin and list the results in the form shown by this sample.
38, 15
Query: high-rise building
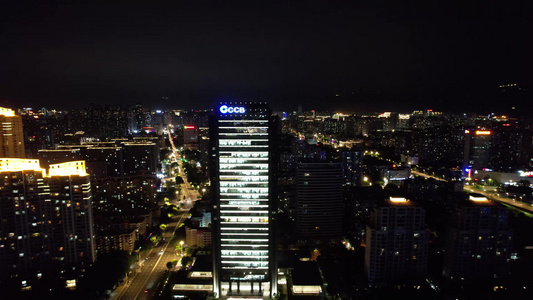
319, 201
72, 220
25, 233
140, 157
244, 210
104, 162
352, 167
54, 156
190, 136
478, 241
45, 221
510, 147
396, 243
11, 136
477, 149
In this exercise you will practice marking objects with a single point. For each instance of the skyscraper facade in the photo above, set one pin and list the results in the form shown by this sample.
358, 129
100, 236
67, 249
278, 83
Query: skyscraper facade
11, 137
244, 211
319, 201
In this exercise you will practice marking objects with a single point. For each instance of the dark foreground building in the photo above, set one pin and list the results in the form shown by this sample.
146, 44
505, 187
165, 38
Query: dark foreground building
396, 243
46, 224
479, 241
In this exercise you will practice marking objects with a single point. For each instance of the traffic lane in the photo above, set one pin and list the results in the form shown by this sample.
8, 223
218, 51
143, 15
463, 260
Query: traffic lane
157, 265
151, 288
426, 175
136, 282
509, 201
141, 281
154, 266
150, 280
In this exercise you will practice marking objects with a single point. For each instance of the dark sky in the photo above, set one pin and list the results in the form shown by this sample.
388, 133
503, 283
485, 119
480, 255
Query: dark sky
374, 55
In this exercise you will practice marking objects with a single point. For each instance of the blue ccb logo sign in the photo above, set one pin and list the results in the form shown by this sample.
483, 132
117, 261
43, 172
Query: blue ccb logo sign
231, 110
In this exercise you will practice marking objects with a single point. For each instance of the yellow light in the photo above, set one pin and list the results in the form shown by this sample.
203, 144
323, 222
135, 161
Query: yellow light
7, 112
71, 283
398, 199
68, 168
19, 164
478, 198
482, 132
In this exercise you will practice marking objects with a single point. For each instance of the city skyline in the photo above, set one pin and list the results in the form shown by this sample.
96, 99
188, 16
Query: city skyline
301, 196
266, 150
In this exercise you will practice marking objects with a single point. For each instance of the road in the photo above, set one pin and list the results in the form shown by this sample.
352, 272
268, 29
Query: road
152, 267
522, 205
143, 280
190, 194
525, 206
426, 175
146, 277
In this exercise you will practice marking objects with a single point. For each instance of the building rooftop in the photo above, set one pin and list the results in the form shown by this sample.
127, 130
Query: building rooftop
479, 200
306, 273
399, 201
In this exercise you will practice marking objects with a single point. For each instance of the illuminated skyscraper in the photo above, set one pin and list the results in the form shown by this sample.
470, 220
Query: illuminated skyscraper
45, 221
244, 210
11, 137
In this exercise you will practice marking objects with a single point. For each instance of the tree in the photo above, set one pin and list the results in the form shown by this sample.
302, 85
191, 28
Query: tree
189, 251
524, 182
106, 271
186, 260
169, 265
391, 187
179, 180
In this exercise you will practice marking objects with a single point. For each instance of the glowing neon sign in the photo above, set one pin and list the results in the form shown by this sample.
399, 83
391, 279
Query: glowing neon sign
232, 110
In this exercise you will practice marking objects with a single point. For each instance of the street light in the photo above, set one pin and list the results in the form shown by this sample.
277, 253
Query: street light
181, 247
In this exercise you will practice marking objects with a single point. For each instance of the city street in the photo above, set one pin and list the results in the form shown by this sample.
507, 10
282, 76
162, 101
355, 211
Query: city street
143, 279
489, 195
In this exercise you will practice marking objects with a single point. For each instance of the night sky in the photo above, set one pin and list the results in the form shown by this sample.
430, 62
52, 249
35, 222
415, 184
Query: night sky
397, 55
